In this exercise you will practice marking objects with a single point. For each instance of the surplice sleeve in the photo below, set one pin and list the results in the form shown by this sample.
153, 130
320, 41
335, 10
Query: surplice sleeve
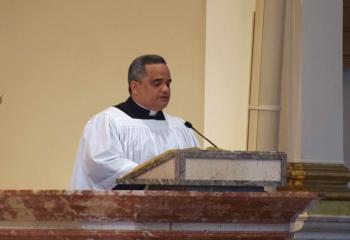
103, 153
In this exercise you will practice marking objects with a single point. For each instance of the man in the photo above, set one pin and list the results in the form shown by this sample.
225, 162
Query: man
119, 138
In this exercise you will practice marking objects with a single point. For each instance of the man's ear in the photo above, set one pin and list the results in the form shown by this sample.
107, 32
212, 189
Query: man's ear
134, 86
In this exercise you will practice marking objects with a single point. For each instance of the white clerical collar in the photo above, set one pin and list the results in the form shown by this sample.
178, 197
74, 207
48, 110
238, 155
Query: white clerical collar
151, 112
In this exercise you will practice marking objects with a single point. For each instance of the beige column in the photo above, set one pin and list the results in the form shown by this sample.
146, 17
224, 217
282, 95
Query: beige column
296, 92
264, 105
229, 26
303, 48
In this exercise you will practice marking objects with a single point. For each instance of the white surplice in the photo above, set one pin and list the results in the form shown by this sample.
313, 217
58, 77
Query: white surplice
113, 143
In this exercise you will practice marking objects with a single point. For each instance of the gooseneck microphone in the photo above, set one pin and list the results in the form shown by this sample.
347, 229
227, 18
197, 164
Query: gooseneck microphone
189, 125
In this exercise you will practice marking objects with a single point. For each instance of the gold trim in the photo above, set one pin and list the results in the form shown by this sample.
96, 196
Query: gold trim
329, 179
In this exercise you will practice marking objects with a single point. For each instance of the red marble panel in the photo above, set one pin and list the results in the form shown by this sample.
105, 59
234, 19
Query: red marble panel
24, 234
152, 206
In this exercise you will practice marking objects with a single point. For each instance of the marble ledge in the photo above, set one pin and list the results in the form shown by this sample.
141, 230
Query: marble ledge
133, 235
153, 206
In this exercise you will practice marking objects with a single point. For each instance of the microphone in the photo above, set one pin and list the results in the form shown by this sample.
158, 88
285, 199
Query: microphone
189, 125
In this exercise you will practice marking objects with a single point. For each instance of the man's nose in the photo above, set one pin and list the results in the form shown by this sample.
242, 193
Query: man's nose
165, 88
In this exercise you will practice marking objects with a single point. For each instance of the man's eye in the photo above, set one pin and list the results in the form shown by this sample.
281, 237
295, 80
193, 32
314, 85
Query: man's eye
156, 83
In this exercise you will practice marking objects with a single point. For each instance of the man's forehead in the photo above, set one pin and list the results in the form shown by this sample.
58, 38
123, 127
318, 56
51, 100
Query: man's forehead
157, 68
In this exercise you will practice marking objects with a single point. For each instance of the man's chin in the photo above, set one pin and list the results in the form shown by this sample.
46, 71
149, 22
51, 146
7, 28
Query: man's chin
163, 105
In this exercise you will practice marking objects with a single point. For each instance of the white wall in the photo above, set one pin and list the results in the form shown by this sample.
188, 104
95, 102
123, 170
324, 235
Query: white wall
346, 119
227, 72
322, 82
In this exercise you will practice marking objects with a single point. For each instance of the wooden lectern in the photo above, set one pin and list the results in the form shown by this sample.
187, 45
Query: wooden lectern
197, 213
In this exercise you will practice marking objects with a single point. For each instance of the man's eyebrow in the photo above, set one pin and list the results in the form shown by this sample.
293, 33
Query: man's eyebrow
156, 80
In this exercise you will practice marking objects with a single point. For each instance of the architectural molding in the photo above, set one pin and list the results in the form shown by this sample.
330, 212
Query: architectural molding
332, 180
323, 227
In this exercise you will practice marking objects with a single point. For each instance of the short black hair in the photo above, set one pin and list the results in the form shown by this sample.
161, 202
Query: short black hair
137, 67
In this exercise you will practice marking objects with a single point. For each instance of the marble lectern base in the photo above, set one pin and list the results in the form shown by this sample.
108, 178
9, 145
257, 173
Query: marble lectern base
56, 214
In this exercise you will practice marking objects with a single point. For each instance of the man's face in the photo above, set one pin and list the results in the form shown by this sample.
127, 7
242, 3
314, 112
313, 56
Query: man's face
153, 90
